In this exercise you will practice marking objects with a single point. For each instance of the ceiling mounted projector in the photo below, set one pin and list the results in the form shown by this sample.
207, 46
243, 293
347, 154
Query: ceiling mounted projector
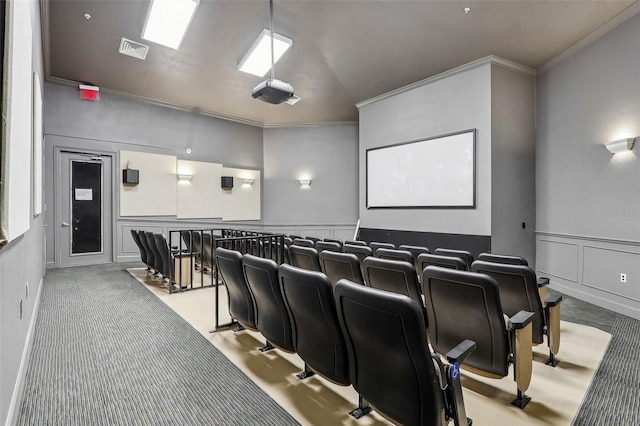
273, 91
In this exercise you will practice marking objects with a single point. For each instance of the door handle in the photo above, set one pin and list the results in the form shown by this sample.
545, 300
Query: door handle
65, 224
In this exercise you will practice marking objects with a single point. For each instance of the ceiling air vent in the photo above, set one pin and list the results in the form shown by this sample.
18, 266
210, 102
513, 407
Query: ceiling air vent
132, 48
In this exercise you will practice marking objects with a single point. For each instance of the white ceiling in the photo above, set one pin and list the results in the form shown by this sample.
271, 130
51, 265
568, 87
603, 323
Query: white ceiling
344, 51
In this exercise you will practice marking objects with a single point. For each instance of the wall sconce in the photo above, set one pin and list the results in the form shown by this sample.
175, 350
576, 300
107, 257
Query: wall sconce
247, 182
305, 183
619, 145
184, 178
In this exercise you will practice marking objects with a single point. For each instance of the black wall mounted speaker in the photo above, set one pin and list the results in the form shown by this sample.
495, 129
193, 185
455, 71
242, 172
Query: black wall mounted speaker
227, 182
130, 176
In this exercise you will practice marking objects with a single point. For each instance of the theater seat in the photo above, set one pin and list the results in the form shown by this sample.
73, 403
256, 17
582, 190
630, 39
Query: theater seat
390, 363
165, 254
337, 266
462, 254
198, 246
466, 305
356, 243
335, 240
304, 257
450, 262
327, 245
376, 245
208, 253
143, 251
393, 275
361, 252
393, 254
241, 303
317, 337
158, 265
416, 251
272, 319
303, 242
142, 236
519, 291
500, 258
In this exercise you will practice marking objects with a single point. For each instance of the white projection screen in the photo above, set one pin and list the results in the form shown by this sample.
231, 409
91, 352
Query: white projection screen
437, 172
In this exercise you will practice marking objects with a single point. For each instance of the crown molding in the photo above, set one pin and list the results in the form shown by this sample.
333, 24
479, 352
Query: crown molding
495, 60
294, 125
612, 23
185, 108
156, 102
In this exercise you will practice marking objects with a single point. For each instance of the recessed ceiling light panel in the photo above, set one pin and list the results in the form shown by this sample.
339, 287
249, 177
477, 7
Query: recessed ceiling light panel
168, 20
257, 61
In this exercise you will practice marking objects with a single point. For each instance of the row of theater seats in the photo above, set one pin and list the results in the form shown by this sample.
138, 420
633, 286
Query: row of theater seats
348, 334
156, 253
454, 299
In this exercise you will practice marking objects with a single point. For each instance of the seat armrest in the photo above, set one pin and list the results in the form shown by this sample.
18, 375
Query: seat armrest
542, 281
521, 320
553, 300
461, 351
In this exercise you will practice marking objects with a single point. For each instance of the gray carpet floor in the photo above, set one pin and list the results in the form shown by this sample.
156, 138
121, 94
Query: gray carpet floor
107, 351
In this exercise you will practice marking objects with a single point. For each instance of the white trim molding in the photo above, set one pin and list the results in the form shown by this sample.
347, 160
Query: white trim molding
495, 60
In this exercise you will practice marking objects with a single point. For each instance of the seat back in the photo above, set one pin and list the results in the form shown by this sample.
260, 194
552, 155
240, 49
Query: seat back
500, 258
450, 262
241, 303
272, 319
136, 239
361, 252
376, 245
378, 327
465, 305
168, 267
518, 291
462, 254
356, 243
317, 337
158, 265
337, 266
393, 254
314, 239
207, 250
304, 257
393, 275
416, 251
327, 245
335, 240
186, 239
142, 236
196, 242
303, 242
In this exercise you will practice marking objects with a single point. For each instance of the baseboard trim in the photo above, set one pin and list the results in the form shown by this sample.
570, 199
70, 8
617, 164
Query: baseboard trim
16, 398
596, 300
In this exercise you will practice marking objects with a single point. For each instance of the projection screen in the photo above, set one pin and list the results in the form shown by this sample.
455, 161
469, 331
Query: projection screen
437, 172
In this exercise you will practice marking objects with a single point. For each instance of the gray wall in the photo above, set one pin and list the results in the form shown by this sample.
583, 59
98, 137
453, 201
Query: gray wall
588, 201
115, 123
455, 103
328, 155
513, 192
21, 262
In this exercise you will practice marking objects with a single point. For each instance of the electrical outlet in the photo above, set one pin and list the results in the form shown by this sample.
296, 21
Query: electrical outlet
20, 309
623, 278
